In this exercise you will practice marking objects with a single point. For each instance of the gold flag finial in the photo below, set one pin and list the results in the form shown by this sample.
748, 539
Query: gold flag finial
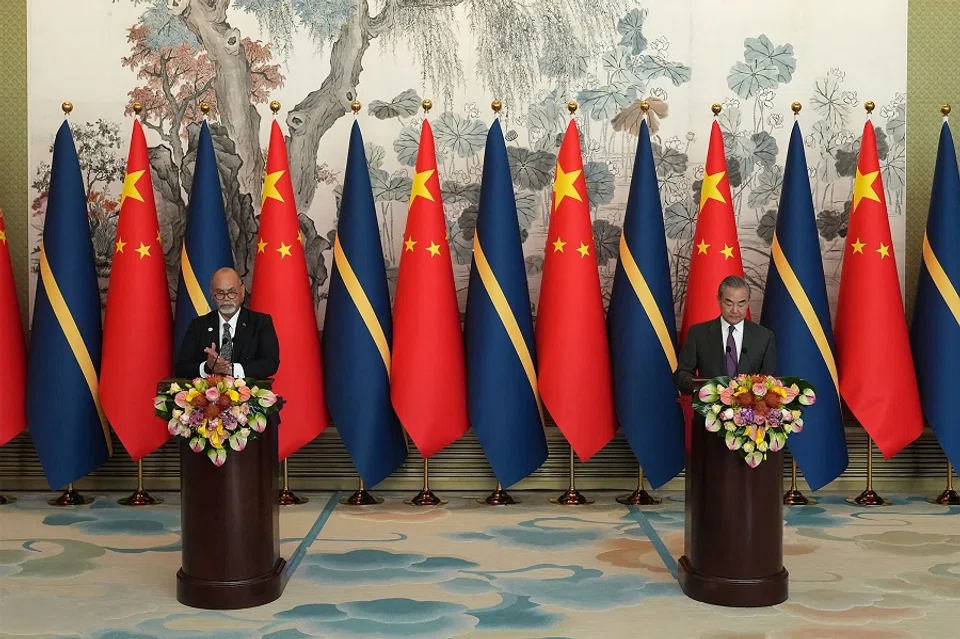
496, 105
945, 109
572, 106
205, 108
137, 108
355, 107
716, 108
796, 106
869, 106
275, 107
427, 105
67, 107
645, 106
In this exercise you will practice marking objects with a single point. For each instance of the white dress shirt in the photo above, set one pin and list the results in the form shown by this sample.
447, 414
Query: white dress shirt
737, 335
237, 368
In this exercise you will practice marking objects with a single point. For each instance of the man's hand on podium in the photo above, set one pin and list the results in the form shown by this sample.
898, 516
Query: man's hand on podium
216, 365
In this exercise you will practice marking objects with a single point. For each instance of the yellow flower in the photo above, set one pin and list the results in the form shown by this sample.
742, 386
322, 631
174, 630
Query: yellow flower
780, 390
233, 395
192, 394
218, 437
761, 433
202, 431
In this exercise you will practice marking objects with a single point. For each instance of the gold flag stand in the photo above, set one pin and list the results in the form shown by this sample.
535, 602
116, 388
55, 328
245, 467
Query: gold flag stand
287, 496
5, 499
639, 497
572, 496
949, 496
499, 497
869, 497
426, 497
70, 497
361, 498
794, 497
140, 497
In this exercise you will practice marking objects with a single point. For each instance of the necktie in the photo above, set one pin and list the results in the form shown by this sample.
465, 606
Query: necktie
226, 347
731, 355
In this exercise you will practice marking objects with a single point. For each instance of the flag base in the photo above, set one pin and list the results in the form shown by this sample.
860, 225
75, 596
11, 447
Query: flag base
794, 497
499, 497
639, 497
868, 497
948, 497
4, 500
70, 497
573, 497
140, 497
426, 498
290, 498
361, 498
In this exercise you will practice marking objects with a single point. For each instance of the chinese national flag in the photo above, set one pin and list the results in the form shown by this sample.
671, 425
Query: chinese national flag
877, 377
573, 356
428, 384
281, 288
13, 372
138, 325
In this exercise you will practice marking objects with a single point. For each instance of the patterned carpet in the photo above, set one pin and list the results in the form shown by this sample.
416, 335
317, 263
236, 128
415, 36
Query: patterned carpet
535, 570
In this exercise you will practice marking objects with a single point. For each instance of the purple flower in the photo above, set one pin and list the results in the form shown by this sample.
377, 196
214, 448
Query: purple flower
746, 415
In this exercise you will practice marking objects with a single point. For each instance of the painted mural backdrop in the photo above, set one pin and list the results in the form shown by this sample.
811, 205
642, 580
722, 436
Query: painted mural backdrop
316, 56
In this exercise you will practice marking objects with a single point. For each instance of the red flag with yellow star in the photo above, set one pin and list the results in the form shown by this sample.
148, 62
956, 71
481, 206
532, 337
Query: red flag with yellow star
428, 381
13, 373
138, 325
716, 249
877, 378
281, 288
573, 356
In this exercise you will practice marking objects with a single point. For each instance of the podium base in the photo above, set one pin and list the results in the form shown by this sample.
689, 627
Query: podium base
735, 593
231, 595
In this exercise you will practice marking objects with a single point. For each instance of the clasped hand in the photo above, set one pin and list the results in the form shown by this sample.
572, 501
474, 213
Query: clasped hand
217, 364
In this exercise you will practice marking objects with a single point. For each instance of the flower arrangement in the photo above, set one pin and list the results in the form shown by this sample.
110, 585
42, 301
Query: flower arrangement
215, 413
754, 413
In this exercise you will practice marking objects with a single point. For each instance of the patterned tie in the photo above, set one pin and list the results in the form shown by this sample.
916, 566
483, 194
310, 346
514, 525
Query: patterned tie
731, 358
226, 348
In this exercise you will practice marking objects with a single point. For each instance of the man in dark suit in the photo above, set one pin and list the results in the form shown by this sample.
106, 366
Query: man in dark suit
248, 345
729, 344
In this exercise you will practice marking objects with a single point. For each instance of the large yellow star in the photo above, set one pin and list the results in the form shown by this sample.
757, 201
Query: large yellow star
884, 251
709, 190
130, 187
120, 245
261, 245
3, 236
420, 186
563, 186
727, 251
144, 251
270, 187
584, 250
558, 245
284, 250
858, 246
702, 248
434, 249
863, 188
410, 243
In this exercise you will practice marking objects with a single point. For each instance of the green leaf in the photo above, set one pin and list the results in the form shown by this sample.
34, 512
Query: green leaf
630, 28
653, 67
762, 50
746, 79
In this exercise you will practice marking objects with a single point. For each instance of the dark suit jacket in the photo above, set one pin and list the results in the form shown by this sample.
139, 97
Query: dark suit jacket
255, 345
703, 353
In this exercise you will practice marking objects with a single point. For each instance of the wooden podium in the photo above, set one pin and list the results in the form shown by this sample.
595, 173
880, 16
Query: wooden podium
733, 535
230, 525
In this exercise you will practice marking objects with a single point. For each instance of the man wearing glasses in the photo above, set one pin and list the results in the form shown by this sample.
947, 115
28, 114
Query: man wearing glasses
231, 340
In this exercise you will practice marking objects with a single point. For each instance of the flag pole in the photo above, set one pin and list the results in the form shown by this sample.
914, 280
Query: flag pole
426, 497
949, 497
287, 496
794, 497
869, 497
572, 497
70, 497
361, 498
639, 497
139, 497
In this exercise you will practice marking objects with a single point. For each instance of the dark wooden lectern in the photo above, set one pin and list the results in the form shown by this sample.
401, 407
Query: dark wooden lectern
733, 536
230, 525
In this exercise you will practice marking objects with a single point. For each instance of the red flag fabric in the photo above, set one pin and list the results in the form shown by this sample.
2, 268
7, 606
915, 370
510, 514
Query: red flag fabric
573, 356
877, 377
428, 383
138, 324
281, 288
13, 372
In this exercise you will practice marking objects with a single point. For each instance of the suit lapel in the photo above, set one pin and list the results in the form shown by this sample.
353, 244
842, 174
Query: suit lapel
241, 334
747, 347
715, 335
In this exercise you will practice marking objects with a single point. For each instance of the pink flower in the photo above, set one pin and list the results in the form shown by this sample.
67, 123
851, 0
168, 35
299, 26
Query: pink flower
212, 394
173, 426
196, 444
181, 399
759, 389
726, 396
758, 418
244, 393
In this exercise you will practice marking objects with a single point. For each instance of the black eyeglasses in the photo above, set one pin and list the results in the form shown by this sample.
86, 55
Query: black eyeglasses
225, 295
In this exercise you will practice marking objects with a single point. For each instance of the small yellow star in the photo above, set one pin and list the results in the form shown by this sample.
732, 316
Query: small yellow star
261, 245
584, 250
558, 245
3, 236
300, 236
709, 190
284, 250
144, 251
727, 251
159, 241
120, 245
434, 249
702, 248
863, 188
410, 243
420, 186
270, 187
858, 246
130, 187
884, 251
563, 186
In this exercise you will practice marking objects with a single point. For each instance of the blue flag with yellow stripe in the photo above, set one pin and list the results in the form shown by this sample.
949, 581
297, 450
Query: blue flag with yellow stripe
66, 421
642, 329
206, 242
935, 334
502, 396
357, 331
795, 308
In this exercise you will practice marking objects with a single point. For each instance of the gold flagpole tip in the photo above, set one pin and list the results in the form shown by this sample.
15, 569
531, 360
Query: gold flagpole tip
496, 105
572, 106
869, 106
355, 107
716, 108
275, 107
645, 106
137, 108
427, 105
945, 109
67, 107
795, 107
204, 108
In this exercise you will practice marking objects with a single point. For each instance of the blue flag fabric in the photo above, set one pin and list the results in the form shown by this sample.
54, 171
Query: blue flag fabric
642, 329
206, 242
935, 334
68, 427
502, 396
795, 308
357, 331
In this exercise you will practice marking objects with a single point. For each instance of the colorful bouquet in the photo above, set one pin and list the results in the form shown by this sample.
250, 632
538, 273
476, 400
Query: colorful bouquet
754, 413
215, 413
